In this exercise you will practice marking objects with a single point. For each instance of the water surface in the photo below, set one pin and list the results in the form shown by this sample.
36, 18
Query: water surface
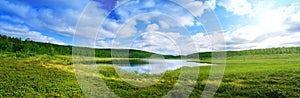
157, 66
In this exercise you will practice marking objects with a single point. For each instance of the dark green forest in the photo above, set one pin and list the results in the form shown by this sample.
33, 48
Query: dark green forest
24, 48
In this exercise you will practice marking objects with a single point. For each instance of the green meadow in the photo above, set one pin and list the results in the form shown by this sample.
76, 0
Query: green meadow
27, 72
274, 75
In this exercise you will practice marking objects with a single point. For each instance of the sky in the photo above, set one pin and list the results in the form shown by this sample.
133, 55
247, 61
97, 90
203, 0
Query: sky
161, 26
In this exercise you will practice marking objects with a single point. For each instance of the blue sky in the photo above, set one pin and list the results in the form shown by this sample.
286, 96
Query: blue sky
161, 26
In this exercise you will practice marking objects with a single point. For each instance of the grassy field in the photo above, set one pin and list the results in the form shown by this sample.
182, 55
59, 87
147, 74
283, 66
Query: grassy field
276, 75
40, 76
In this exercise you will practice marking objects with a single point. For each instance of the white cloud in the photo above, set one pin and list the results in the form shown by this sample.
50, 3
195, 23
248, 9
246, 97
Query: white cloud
93, 26
211, 4
9, 7
13, 28
37, 36
186, 20
164, 21
201, 39
106, 44
24, 32
172, 43
272, 29
173, 35
56, 16
11, 18
158, 42
194, 7
164, 24
197, 7
237, 7
33, 35
127, 30
102, 34
201, 42
178, 13
152, 27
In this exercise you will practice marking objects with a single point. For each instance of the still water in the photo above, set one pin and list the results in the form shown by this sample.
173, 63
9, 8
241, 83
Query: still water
157, 66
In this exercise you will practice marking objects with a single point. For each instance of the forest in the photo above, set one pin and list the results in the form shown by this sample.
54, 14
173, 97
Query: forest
27, 47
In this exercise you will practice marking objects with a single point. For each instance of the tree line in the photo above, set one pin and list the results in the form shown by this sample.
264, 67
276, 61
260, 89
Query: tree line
266, 51
24, 48
27, 47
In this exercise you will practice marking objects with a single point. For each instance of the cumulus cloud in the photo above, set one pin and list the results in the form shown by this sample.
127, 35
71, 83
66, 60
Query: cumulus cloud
13, 28
152, 27
9, 7
272, 29
158, 42
106, 44
164, 21
57, 16
127, 30
37, 36
201, 40
164, 24
12, 19
90, 22
237, 7
178, 12
198, 7
23, 32
172, 43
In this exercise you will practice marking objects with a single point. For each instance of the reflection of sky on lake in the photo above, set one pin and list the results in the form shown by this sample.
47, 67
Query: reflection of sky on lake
158, 66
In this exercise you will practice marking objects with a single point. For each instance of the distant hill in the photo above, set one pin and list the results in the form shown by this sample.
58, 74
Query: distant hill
30, 48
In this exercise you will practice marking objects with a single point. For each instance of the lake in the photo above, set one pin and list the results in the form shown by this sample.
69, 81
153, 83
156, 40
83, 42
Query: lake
157, 66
